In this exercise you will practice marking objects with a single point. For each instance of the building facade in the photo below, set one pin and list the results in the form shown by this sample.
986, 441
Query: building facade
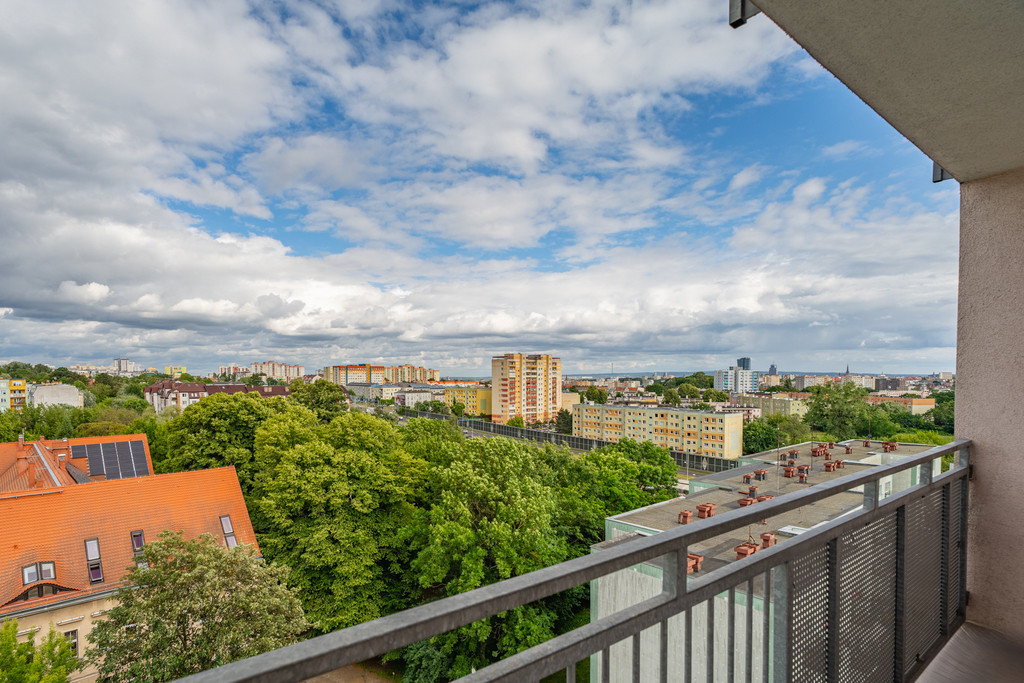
168, 392
736, 379
772, 405
54, 394
343, 374
276, 370
13, 394
691, 431
527, 386
477, 400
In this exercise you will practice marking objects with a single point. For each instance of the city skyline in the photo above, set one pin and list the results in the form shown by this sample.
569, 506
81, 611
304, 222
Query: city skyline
385, 183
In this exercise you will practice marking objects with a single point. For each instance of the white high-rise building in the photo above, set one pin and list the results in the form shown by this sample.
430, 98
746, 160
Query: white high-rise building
736, 380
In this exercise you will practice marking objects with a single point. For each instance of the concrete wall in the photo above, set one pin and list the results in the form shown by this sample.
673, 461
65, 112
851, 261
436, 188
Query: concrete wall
990, 379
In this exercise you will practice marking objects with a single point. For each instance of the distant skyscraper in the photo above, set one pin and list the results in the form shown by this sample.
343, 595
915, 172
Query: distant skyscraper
772, 370
743, 363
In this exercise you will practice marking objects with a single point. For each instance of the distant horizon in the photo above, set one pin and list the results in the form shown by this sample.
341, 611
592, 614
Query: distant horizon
310, 369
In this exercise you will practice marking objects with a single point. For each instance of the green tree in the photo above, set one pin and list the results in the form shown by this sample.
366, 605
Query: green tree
700, 380
491, 520
596, 394
458, 409
332, 504
688, 390
516, 421
715, 396
190, 605
836, 410
758, 436
52, 661
10, 426
439, 407
671, 397
325, 399
942, 416
218, 431
701, 405
658, 388
791, 428
563, 422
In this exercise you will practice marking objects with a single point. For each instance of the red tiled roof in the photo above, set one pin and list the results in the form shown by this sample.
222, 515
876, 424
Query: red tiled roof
44, 457
52, 525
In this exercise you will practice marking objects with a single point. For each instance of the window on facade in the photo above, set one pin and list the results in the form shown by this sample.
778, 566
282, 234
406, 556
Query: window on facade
92, 556
229, 531
72, 638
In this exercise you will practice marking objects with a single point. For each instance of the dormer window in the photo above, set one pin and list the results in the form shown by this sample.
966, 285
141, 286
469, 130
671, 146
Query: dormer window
138, 541
38, 571
229, 531
92, 557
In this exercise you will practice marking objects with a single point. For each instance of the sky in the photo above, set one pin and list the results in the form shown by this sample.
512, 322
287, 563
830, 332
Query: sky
621, 184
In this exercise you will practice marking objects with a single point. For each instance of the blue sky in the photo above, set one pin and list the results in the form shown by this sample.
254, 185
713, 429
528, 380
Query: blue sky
319, 183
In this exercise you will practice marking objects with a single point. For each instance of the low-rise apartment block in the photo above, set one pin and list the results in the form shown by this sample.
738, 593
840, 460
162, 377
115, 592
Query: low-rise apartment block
691, 431
772, 405
476, 399
411, 374
13, 394
167, 392
917, 406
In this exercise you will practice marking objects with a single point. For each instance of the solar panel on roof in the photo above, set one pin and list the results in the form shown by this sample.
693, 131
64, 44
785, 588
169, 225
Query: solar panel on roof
95, 453
78, 451
124, 459
110, 466
139, 458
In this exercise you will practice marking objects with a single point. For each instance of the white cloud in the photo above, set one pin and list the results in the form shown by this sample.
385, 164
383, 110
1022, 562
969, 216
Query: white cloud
89, 293
844, 149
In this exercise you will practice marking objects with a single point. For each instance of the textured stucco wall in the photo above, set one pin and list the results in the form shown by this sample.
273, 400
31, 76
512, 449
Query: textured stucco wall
990, 394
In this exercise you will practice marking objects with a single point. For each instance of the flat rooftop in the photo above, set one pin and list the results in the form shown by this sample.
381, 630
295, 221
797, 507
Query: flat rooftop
726, 489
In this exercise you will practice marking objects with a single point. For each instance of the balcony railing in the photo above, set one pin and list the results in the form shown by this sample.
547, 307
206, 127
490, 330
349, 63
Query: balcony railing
871, 595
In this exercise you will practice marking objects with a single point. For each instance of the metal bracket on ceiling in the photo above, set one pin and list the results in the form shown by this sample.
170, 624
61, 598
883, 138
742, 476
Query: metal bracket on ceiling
740, 11
939, 174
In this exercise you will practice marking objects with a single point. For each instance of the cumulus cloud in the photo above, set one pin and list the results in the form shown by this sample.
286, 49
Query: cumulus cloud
375, 180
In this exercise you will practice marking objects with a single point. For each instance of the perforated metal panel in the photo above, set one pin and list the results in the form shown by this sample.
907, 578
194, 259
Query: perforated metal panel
867, 602
809, 646
922, 612
955, 556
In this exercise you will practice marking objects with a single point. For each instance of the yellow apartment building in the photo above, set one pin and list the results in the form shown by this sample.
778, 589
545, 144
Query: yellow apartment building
525, 386
13, 394
691, 431
476, 399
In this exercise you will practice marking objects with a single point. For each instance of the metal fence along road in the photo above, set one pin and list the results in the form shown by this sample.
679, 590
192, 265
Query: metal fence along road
869, 596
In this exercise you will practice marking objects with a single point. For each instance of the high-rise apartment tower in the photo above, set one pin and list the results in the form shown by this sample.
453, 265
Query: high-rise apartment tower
526, 386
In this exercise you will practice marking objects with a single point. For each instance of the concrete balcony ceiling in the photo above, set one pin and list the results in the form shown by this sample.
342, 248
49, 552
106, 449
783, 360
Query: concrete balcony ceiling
947, 74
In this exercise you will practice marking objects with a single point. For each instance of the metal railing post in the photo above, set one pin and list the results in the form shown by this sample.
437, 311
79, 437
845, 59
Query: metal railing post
782, 623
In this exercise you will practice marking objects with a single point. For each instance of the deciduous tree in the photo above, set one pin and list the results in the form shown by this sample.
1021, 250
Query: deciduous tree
563, 422
49, 662
325, 399
190, 605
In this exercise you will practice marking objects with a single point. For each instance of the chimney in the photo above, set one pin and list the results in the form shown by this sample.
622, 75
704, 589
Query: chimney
63, 461
684, 517
767, 540
31, 474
